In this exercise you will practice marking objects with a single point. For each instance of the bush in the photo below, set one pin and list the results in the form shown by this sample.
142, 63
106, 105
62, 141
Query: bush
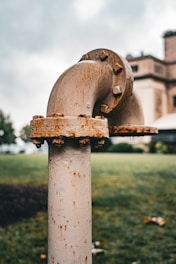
161, 147
138, 150
121, 148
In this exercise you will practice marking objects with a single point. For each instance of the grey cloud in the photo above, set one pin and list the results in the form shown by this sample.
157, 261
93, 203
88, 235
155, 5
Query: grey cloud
38, 39
32, 25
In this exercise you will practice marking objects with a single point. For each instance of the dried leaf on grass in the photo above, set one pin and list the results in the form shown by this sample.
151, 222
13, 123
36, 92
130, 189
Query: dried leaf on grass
43, 256
155, 220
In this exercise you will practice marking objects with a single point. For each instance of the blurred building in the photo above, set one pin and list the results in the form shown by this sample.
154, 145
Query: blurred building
155, 85
155, 80
167, 128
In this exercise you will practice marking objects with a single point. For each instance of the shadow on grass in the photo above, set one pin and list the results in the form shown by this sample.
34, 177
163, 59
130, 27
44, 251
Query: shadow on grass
18, 202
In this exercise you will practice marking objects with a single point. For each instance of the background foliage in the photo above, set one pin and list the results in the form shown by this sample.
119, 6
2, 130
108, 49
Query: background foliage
126, 188
7, 132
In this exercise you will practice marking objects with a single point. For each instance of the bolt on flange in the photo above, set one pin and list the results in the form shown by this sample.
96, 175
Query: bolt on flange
103, 55
57, 128
117, 68
83, 142
122, 77
99, 143
116, 90
58, 142
38, 142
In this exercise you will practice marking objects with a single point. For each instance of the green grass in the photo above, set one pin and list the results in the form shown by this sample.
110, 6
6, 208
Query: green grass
24, 242
126, 188
24, 169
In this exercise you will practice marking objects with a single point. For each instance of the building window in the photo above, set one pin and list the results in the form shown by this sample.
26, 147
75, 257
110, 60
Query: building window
174, 100
158, 69
134, 68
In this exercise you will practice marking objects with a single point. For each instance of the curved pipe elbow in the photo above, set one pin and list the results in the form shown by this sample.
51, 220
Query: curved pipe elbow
79, 88
100, 84
131, 114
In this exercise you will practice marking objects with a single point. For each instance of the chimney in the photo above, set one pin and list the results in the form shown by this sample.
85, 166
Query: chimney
170, 46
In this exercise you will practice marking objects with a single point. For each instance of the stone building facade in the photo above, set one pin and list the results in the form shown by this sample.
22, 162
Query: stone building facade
155, 80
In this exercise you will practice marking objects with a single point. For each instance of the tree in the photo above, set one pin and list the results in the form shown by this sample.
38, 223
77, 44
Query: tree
25, 134
122, 147
7, 132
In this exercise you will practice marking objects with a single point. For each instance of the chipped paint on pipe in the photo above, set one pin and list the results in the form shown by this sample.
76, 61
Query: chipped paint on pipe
100, 84
69, 205
131, 114
78, 88
69, 198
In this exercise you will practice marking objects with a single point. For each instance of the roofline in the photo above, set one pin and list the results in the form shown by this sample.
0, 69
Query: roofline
145, 57
155, 77
153, 58
169, 33
166, 130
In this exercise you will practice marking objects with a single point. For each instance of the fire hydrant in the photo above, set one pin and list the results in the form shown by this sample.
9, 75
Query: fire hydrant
90, 102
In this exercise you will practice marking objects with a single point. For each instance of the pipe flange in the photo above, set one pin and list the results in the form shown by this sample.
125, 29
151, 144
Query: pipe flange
59, 126
132, 130
122, 78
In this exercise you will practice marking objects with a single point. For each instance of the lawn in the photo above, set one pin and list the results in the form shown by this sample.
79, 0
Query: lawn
126, 188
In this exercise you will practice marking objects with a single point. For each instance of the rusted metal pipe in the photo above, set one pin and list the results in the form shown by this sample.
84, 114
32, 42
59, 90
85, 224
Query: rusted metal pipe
78, 88
69, 185
69, 205
99, 85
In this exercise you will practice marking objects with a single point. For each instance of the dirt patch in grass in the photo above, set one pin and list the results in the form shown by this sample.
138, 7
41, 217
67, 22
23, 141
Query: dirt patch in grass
21, 201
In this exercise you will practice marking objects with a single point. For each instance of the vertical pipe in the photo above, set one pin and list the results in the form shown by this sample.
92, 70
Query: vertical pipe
69, 205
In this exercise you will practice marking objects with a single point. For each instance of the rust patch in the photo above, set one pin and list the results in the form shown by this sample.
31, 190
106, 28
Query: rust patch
86, 259
77, 174
84, 142
58, 128
52, 259
71, 134
53, 220
132, 130
84, 115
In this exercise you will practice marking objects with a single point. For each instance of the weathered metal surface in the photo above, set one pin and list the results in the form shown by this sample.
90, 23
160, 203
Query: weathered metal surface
69, 126
122, 83
79, 88
97, 86
69, 205
130, 114
132, 130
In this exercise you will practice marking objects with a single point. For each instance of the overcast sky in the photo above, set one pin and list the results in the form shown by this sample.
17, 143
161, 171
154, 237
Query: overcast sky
39, 39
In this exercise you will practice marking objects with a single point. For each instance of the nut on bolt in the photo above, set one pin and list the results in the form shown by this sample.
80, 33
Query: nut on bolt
84, 142
38, 142
99, 143
56, 115
100, 117
58, 142
85, 57
37, 117
105, 108
116, 90
103, 55
117, 68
